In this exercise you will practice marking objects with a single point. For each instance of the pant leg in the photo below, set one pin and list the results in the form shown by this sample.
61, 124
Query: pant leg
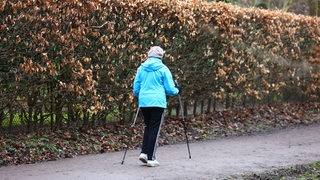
153, 120
146, 115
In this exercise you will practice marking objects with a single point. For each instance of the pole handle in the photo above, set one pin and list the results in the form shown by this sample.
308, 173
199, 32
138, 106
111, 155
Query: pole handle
176, 82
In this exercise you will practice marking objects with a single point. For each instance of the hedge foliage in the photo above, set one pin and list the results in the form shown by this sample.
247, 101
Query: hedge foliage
77, 59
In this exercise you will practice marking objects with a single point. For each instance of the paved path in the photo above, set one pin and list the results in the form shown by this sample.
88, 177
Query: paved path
210, 159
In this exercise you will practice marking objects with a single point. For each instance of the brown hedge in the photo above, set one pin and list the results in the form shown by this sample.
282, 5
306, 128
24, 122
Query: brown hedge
80, 56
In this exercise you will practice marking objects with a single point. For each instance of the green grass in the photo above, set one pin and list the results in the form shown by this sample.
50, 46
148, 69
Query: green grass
300, 172
17, 121
313, 173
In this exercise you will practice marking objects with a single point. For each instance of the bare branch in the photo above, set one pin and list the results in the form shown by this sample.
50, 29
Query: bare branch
99, 27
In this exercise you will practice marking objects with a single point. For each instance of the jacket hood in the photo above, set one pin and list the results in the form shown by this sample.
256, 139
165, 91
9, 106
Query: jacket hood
156, 51
152, 64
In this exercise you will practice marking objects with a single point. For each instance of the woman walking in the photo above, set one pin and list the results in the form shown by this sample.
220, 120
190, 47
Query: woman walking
152, 83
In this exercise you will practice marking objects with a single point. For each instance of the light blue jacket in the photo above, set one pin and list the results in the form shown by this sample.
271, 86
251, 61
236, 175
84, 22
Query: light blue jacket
152, 82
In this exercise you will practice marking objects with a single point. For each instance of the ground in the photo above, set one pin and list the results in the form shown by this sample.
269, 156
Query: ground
220, 158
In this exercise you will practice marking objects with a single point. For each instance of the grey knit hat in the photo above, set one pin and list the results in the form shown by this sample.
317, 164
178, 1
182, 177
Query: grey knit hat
156, 51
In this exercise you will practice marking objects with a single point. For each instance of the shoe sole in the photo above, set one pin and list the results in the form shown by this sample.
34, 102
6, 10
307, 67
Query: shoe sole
143, 160
154, 165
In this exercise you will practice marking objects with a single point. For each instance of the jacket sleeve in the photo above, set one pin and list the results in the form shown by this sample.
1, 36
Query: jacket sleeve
169, 85
137, 84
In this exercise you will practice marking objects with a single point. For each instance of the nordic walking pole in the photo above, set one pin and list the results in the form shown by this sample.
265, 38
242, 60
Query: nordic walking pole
183, 122
132, 126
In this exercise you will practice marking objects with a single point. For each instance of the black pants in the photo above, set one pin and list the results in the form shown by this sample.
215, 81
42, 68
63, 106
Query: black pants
153, 117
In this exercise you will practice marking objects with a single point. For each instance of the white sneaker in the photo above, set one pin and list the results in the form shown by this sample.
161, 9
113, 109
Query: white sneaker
153, 163
143, 158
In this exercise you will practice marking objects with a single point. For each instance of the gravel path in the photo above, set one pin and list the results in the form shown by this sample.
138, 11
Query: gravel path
212, 159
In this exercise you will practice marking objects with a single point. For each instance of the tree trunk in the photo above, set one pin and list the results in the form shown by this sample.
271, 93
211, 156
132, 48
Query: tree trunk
35, 119
185, 108
287, 5
85, 119
314, 7
253, 2
58, 111
11, 119
202, 106
29, 120
177, 110
169, 111
71, 118
195, 107
41, 119
209, 105
234, 2
1, 118
263, 4
52, 104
